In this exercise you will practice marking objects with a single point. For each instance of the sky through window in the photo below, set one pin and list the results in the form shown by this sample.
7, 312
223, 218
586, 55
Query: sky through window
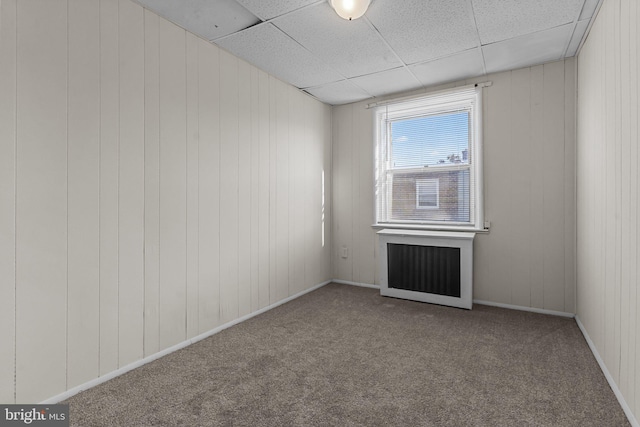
434, 140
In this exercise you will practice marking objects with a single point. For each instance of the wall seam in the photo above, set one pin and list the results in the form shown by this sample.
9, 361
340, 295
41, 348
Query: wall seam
197, 165
99, 183
159, 241
118, 195
144, 180
577, 187
219, 64
186, 180
15, 211
66, 377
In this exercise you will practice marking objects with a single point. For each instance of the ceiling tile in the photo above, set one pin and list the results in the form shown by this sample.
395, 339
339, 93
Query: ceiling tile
499, 20
338, 93
352, 48
456, 67
270, 49
208, 19
589, 9
524, 51
388, 82
578, 34
267, 9
420, 30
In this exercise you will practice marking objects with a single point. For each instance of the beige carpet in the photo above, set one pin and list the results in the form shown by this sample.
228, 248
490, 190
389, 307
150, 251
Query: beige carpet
344, 356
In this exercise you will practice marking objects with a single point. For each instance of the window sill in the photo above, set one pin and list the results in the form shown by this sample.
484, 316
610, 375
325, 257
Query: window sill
431, 228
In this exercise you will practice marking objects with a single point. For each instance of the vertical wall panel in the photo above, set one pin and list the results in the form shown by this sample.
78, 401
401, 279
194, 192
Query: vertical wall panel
356, 207
173, 185
618, 185
296, 191
306, 199
7, 197
306, 190
264, 191
151, 184
229, 187
634, 395
83, 319
553, 210
607, 192
109, 147
320, 198
41, 208
599, 183
273, 190
209, 186
244, 188
497, 151
193, 192
520, 191
364, 259
586, 155
282, 192
326, 196
256, 213
610, 213
633, 205
624, 193
570, 185
536, 242
328, 200
131, 191
312, 197
342, 216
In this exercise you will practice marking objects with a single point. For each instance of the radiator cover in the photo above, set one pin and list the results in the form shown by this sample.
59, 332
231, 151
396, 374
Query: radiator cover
427, 266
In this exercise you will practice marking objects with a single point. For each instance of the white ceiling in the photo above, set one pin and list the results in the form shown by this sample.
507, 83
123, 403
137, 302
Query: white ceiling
398, 45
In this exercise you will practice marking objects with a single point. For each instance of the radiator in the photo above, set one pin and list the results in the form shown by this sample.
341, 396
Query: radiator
427, 266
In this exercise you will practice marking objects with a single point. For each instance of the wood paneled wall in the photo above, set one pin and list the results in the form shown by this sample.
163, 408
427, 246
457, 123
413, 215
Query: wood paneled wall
152, 187
527, 259
608, 190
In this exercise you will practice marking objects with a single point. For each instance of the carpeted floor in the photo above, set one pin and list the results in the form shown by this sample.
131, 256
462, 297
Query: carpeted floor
345, 356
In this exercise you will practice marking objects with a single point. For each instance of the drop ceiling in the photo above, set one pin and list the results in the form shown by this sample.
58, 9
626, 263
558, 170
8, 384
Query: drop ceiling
397, 46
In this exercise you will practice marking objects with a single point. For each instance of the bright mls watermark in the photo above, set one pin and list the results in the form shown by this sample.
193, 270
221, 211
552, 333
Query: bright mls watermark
34, 415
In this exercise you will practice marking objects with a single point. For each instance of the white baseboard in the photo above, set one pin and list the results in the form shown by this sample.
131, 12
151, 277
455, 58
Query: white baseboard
111, 375
476, 301
612, 383
522, 308
362, 285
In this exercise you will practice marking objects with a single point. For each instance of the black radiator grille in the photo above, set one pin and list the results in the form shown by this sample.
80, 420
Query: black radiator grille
429, 269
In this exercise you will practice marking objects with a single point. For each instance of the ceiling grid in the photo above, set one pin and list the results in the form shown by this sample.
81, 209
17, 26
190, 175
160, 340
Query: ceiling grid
394, 47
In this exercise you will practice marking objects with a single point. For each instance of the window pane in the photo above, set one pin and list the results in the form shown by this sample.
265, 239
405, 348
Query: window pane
430, 140
414, 197
427, 193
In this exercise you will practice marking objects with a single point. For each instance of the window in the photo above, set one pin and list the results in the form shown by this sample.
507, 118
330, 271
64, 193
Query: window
428, 193
429, 161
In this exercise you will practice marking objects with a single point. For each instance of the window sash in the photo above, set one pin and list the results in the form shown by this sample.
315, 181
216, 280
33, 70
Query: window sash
386, 192
468, 101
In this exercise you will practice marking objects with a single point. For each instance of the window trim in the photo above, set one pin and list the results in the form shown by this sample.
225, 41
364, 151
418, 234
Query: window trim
442, 102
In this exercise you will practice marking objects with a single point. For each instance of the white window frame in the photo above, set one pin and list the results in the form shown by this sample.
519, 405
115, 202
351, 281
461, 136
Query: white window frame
442, 102
428, 182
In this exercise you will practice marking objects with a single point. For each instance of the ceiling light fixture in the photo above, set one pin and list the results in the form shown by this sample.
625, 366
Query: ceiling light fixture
350, 9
